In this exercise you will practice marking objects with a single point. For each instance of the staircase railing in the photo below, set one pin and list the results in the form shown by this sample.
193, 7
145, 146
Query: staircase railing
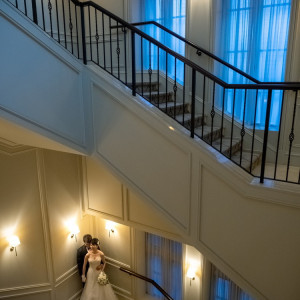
151, 281
187, 92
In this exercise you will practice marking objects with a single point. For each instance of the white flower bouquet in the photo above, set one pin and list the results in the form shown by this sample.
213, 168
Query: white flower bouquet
102, 278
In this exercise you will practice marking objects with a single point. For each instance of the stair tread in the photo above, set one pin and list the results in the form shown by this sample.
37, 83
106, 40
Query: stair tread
226, 143
246, 159
186, 117
206, 130
153, 93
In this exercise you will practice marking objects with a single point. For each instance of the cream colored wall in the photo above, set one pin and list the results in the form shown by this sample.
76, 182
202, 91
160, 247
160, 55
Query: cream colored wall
108, 199
40, 191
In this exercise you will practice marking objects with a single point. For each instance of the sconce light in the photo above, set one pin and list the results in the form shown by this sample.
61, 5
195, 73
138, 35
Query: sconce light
110, 226
14, 241
191, 274
74, 231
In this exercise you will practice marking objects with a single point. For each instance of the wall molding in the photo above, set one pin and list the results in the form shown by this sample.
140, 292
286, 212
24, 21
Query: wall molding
116, 263
11, 148
66, 276
25, 290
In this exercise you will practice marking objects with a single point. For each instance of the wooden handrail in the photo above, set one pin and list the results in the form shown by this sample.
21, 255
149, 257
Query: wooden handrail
132, 273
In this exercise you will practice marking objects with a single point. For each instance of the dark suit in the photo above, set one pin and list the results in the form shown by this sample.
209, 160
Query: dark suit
81, 252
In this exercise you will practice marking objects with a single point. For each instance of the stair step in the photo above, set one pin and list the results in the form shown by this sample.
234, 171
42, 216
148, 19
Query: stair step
186, 120
235, 145
172, 109
209, 134
246, 159
146, 86
158, 98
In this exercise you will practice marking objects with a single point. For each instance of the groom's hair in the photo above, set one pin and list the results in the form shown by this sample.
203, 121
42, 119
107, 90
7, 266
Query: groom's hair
87, 238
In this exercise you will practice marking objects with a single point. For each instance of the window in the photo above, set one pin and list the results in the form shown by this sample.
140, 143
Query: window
164, 266
225, 289
253, 35
171, 14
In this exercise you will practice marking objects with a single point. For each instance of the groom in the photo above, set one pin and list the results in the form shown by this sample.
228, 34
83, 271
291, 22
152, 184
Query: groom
81, 252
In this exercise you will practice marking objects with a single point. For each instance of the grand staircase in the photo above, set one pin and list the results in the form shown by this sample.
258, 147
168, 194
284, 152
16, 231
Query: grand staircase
215, 136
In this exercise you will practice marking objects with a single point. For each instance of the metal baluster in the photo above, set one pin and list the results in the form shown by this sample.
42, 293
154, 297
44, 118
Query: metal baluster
279, 132
150, 75
90, 33
103, 41
253, 133
111, 64
157, 71
97, 37
291, 136
265, 143
77, 39
222, 120
17, 4
25, 7
183, 93
34, 12
50, 16
203, 105
232, 122
43, 14
64, 19
118, 51
212, 113
243, 128
142, 65
192, 128
57, 21
83, 34
71, 27
175, 92
133, 63
166, 77
125, 53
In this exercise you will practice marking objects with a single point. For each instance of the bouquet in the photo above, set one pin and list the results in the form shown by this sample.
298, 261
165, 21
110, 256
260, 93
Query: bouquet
102, 279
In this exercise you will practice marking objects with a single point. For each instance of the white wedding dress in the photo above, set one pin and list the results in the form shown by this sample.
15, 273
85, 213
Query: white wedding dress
92, 289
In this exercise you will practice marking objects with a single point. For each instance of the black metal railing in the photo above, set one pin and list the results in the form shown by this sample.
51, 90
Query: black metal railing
236, 119
151, 281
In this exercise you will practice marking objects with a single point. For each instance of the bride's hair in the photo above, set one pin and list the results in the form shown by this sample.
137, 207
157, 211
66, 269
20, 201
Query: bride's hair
95, 241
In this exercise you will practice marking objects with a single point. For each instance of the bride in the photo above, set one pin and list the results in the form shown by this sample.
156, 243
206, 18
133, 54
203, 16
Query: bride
92, 289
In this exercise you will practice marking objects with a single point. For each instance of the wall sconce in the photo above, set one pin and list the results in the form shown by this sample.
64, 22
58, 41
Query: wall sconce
14, 241
191, 274
110, 226
74, 231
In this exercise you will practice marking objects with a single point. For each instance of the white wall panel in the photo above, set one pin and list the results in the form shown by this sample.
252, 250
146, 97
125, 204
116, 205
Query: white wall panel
125, 140
256, 239
41, 82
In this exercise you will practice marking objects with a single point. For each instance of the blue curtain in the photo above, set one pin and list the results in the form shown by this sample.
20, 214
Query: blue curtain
164, 266
171, 14
222, 288
252, 35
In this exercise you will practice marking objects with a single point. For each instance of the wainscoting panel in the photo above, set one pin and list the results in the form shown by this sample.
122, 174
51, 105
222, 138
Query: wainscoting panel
21, 215
126, 140
144, 215
57, 79
69, 287
23, 294
233, 225
104, 191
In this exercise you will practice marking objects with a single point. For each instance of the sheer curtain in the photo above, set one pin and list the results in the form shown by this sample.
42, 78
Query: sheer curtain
171, 14
164, 266
252, 35
222, 288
